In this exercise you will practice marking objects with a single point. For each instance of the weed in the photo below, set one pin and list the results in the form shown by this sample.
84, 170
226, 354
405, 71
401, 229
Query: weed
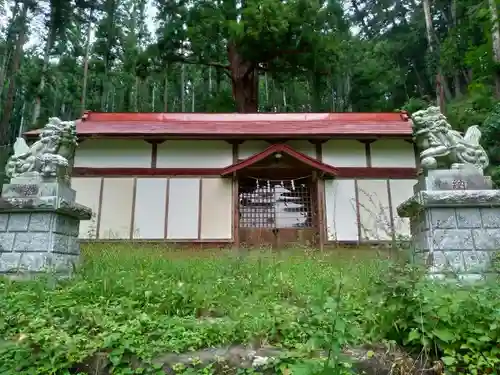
128, 306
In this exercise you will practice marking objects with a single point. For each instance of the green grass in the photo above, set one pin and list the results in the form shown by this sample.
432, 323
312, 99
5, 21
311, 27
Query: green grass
138, 302
148, 301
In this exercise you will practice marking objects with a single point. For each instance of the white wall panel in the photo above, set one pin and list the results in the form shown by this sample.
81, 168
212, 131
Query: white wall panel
88, 191
216, 208
116, 210
401, 190
344, 153
375, 216
194, 154
341, 218
392, 153
305, 147
111, 153
150, 208
183, 208
249, 148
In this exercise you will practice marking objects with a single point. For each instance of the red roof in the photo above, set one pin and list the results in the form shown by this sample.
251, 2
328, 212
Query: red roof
216, 125
285, 149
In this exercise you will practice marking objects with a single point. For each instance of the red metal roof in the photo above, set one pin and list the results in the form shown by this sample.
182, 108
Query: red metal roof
244, 125
281, 148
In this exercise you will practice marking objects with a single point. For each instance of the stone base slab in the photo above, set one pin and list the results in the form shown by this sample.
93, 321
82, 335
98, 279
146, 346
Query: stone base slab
455, 231
39, 227
449, 198
38, 241
453, 179
37, 190
46, 204
33, 263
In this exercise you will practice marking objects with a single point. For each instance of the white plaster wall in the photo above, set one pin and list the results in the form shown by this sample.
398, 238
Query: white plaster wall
111, 153
116, 209
392, 153
88, 191
194, 154
183, 208
341, 218
216, 208
150, 208
303, 146
375, 216
249, 148
344, 153
401, 190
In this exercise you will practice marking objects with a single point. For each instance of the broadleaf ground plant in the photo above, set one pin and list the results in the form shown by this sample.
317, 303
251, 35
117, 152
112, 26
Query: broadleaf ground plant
127, 308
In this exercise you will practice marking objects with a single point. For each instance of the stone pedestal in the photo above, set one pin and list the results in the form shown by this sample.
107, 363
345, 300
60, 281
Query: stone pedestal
39, 225
455, 222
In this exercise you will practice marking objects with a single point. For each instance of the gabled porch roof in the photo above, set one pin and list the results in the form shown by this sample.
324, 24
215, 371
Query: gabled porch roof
282, 149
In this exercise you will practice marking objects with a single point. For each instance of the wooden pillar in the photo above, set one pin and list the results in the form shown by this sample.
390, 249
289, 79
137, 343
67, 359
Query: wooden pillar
236, 198
319, 209
236, 213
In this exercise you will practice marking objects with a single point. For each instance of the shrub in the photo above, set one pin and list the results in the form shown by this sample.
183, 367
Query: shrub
455, 322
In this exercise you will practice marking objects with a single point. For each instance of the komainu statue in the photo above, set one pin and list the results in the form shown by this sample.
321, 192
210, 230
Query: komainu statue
443, 147
49, 156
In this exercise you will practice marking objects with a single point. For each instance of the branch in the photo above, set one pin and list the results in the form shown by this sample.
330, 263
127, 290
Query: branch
204, 63
225, 68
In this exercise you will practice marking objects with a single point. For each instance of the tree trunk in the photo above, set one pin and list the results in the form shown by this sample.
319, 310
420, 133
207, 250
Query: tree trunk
442, 89
165, 94
6, 62
495, 37
41, 86
457, 83
183, 88
209, 81
136, 94
245, 81
153, 97
430, 31
86, 65
6, 132
5, 126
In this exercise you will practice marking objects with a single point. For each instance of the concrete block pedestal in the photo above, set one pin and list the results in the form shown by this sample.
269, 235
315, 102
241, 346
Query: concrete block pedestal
455, 229
39, 226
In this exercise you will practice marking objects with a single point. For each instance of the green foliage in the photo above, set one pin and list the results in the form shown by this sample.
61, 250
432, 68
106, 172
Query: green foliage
491, 141
131, 307
135, 306
454, 322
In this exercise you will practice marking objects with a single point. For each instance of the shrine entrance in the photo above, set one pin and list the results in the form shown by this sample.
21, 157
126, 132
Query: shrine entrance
278, 198
277, 213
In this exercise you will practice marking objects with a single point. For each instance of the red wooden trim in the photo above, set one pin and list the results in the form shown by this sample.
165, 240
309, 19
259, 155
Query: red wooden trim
358, 209
235, 150
87, 172
183, 117
236, 213
319, 151
368, 150
390, 173
320, 225
390, 207
341, 172
132, 215
229, 137
154, 154
200, 209
99, 209
282, 148
167, 198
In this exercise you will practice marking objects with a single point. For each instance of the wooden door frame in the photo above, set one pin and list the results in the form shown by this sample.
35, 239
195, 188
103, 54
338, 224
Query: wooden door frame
317, 211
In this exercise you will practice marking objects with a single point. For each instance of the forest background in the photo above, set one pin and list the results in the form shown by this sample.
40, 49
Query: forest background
61, 57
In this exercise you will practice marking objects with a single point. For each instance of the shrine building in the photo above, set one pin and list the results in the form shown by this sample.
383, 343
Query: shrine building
274, 179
